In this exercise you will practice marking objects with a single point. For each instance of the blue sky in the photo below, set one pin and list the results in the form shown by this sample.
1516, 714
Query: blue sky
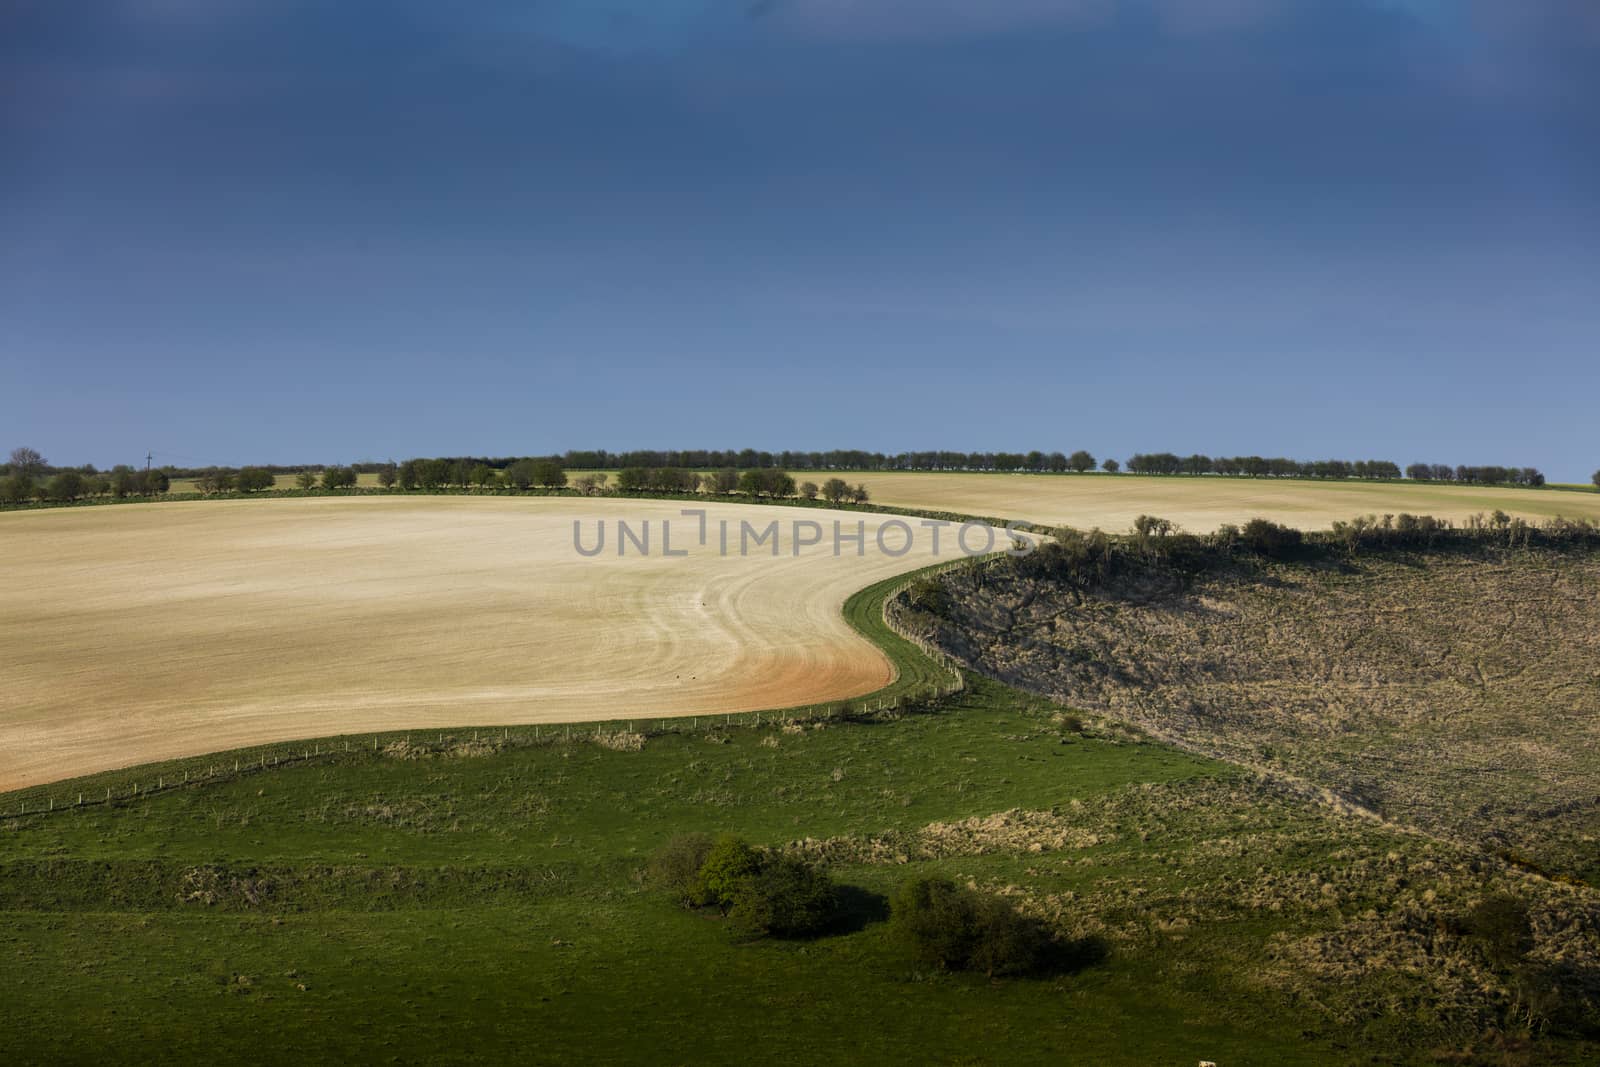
272, 230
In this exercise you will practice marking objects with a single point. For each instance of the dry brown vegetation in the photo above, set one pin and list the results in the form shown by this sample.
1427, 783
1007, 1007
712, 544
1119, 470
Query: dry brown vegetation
1376, 931
1455, 692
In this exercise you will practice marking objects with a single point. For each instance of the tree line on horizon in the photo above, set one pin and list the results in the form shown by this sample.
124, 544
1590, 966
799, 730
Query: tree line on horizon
29, 477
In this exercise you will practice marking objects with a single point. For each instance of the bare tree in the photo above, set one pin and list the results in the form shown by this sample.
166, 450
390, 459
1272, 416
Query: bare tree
27, 462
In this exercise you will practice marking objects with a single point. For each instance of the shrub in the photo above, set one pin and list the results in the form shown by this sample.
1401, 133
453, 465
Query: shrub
760, 892
254, 479
784, 897
675, 867
1267, 538
957, 928
1500, 926
1596, 479
929, 595
68, 485
339, 478
1009, 943
729, 860
938, 920
548, 473
16, 489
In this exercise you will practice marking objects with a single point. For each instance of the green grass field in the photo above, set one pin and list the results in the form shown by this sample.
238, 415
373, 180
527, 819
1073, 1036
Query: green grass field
465, 897
451, 901
487, 904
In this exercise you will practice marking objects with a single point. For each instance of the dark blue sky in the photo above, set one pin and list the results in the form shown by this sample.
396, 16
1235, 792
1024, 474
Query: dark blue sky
271, 230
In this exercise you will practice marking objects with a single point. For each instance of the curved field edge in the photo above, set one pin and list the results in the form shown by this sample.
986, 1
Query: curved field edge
920, 674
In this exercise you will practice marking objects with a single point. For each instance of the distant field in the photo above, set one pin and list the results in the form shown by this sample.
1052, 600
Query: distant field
1199, 504
285, 481
153, 631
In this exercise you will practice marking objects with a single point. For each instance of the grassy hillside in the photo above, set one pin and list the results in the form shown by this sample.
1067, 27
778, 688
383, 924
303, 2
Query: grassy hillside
431, 902
1457, 691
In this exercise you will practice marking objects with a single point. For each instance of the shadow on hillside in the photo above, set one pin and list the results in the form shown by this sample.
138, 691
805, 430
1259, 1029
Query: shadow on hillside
858, 909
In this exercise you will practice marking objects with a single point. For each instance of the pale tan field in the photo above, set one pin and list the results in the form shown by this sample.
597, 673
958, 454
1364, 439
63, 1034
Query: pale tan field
1198, 504
154, 631
365, 480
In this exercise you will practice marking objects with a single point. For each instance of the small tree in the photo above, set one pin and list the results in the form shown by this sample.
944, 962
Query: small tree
306, 479
214, 480
859, 494
675, 868
785, 897
27, 462
1596, 479
808, 490
339, 478
122, 480
67, 485
254, 479
548, 473
388, 474
835, 490
520, 474
958, 928
722, 482
17, 489
1111, 466
1268, 538
1081, 461
729, 860
1500, 926
591, 484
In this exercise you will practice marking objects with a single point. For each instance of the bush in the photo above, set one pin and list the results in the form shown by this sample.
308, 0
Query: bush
1267, 538
938, 920
68, 485
729, 860
760, 892
928, 595
675, 867
339, 478
1500, 926
17, 489
254, 479
784, 897
1009, 943
957, 928
1596, 479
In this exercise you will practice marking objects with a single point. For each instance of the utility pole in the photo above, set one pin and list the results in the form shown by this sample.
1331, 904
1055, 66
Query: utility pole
148, 456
